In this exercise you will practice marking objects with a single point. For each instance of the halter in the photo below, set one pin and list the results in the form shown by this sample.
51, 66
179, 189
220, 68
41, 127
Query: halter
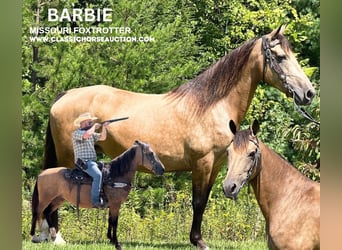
257, 158
256, 143
270, 59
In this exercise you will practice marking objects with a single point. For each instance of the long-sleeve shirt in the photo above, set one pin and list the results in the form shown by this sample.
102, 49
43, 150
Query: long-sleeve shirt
84, 148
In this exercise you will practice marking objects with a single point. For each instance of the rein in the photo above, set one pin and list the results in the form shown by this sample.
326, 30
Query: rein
270, 59
142, 156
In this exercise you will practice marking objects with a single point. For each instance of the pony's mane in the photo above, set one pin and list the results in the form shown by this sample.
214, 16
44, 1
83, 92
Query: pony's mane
217, 81
122, 164
241, 139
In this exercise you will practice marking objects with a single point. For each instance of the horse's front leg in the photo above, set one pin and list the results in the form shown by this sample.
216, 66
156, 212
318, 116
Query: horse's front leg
113, 224
110, 226
200, 195
202, 182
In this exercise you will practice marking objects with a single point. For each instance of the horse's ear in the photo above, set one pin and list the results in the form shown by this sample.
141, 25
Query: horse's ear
255, 127
232, 127
280, 30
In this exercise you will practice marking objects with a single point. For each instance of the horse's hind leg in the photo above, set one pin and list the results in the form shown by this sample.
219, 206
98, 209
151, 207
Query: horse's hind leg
33, 225
34, 237
49, 213
35, 214
52, 230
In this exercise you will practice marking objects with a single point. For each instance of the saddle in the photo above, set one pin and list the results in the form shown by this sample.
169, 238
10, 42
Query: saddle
77, 175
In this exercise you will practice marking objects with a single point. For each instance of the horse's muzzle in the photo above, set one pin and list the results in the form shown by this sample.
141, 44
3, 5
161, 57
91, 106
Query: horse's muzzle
158, 169
230, 190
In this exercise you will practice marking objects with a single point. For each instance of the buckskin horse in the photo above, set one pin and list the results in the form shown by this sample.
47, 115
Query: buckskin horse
187, 125
289, 201
55, 185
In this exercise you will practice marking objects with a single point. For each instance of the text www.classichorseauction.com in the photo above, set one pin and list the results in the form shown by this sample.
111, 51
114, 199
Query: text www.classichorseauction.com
83, 34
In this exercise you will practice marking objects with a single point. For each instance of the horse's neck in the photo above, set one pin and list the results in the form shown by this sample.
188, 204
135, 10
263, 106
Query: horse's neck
240, 97
239, 103
135, 161
278, 180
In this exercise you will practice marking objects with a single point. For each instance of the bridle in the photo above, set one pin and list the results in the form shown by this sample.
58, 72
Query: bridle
143, 157
270, 59
274, 65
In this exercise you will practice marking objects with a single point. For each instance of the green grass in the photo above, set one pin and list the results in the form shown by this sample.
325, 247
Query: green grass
148, 220
224, 245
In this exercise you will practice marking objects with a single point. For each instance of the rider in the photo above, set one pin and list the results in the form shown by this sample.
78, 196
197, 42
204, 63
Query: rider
83, 140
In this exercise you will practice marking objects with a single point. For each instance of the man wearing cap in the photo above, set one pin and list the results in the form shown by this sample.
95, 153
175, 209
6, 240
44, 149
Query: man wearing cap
83, 140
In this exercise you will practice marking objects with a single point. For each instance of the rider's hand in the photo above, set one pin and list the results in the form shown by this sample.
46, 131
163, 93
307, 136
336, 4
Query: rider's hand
97, 125
105, 124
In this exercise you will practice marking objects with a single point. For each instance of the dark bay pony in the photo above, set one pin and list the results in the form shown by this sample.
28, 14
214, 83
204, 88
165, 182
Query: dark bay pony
289, 201
188, 125
53, 188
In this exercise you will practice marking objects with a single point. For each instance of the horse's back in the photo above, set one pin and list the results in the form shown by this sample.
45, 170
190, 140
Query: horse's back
52, 171
150, 115
97, 95
298, 227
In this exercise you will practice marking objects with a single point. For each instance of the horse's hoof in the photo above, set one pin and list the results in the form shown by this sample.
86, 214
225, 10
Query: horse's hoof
201, 245
118, 247
35, 239
53, 233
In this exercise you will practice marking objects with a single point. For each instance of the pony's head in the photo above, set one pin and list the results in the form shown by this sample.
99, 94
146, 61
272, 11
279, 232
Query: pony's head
243, 159
149, 159
282, 70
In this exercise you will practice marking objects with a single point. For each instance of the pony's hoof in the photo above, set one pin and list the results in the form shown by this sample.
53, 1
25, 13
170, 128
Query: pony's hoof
118, 247
53, 233
59, 240
201, 245
35, 239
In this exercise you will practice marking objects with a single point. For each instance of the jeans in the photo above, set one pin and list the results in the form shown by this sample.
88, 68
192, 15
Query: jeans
96, 174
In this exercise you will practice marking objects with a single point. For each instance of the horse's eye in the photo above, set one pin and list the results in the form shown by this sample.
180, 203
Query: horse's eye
251, 154
280, 58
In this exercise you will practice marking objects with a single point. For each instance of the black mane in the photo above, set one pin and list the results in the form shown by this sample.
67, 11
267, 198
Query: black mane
217, 81
122, 164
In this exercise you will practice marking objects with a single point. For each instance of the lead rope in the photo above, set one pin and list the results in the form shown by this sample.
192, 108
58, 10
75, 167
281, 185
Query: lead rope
303, 112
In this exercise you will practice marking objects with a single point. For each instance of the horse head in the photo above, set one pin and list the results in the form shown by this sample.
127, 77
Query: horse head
243, 159
149, 159
282, 70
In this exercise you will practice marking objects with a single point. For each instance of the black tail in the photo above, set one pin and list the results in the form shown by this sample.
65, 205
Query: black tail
34, 208
50, 157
